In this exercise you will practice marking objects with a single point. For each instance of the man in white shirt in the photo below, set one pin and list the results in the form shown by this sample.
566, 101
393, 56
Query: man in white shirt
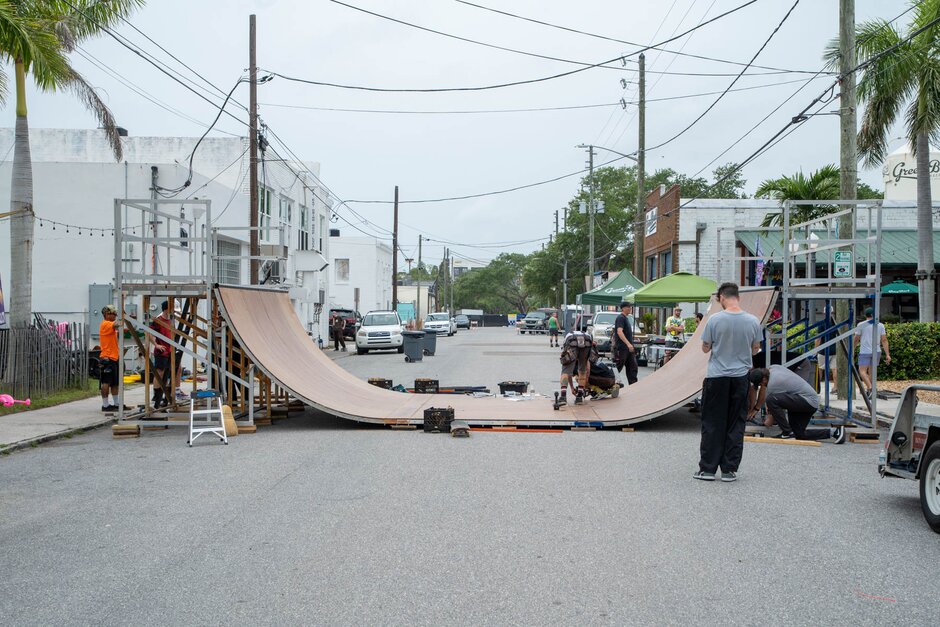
863, 333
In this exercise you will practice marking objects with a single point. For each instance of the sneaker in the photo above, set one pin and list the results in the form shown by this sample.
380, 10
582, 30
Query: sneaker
838, 435
578, 399
728, 477
181, 396
701, 475
108, 408
785, 435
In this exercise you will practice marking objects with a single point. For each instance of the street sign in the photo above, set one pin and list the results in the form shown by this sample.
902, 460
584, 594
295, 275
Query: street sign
842, 267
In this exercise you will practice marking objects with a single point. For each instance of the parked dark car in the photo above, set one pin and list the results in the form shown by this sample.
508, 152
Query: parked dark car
463, 322
535, 322
353, 319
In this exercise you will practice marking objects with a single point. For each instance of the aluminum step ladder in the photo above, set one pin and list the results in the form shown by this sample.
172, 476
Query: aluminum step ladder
212, 410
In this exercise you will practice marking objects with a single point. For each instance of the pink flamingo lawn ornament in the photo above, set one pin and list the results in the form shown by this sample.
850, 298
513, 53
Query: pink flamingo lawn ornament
6, 400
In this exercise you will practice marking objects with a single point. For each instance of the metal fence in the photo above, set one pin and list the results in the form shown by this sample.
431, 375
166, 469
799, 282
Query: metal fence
43, 359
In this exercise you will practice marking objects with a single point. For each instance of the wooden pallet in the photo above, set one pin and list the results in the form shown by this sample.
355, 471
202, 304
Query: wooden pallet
628, 429
866, 436
124, 432
751, 438
245, 428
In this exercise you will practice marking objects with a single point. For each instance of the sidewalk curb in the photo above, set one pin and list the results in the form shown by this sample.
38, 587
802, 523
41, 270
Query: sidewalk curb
48, 437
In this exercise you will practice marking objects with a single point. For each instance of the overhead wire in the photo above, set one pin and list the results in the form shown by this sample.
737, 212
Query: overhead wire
802, 117
626, 42
500, 85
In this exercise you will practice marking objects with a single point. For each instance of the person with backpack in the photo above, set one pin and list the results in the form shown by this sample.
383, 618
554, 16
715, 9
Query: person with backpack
577, 353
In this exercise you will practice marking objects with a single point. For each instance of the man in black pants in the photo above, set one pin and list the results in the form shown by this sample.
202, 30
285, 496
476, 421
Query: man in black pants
623, 350
730, 337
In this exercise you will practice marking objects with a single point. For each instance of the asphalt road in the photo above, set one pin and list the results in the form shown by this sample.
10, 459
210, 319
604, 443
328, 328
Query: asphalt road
320, 521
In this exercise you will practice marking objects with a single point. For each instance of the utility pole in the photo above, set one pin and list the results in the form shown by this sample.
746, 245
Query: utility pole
395, 255
564, 287
253, 249
450, 281
591, 214
556, 222
640, 227
848, 161
418, 308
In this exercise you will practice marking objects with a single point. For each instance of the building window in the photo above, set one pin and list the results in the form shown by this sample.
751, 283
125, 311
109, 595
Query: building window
264, 212
666, 263
228, 271
342, 270
651, 273
286, 219
303, 240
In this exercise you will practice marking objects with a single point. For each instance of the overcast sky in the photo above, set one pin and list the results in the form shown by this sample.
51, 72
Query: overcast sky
364, 155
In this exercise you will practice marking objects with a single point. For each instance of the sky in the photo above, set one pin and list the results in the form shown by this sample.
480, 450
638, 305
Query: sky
363, 156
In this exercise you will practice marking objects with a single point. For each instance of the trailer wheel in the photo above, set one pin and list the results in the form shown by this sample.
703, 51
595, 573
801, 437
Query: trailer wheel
930, 486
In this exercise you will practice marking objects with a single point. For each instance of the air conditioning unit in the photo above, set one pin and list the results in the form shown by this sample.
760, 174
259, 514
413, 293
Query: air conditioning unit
272, 272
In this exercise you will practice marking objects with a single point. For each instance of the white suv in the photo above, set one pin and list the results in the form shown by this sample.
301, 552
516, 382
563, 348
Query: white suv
379, 329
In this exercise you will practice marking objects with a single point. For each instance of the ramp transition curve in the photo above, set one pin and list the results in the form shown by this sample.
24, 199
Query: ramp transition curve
267, 328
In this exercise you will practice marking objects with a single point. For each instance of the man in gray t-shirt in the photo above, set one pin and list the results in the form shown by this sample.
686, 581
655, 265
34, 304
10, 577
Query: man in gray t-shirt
791, 401
730, 337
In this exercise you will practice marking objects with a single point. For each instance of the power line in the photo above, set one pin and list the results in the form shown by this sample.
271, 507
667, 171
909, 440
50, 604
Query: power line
483, 194
723, 93
523, 110
629, 43
802, 116
503, 85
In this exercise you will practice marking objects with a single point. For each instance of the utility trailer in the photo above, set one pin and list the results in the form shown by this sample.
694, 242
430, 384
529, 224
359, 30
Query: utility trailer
912, 451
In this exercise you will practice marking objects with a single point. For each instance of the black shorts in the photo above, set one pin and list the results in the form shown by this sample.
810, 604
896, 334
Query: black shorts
107, 372
553, 332
161, 363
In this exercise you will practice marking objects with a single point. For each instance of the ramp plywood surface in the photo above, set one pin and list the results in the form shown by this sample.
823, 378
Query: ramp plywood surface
267, 328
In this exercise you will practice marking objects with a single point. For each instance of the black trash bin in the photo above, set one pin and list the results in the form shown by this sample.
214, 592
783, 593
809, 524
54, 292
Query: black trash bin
413, 345
429, 342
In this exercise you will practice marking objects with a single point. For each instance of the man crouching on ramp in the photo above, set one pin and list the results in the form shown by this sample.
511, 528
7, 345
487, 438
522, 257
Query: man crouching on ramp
577, 352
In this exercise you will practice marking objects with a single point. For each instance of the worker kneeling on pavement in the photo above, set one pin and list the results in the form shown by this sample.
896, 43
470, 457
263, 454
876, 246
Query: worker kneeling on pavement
577, 352
791, 401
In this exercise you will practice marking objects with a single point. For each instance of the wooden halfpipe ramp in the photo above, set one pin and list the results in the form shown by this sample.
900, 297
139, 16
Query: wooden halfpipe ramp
269, 331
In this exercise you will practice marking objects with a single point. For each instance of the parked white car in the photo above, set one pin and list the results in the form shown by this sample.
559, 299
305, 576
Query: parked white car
601, 328
440, 323
379, 329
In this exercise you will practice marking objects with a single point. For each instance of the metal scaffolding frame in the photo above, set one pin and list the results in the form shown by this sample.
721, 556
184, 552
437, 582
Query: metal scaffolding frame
801, 244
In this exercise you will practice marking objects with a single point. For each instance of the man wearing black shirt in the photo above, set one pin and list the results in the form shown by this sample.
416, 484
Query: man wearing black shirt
623, 348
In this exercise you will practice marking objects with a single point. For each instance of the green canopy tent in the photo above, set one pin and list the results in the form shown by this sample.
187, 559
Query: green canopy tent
679, 287
613, 291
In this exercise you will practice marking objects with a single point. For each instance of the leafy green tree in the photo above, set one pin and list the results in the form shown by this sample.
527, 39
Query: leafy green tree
904, 75
867, 192
497, 288
823, 184
36, 38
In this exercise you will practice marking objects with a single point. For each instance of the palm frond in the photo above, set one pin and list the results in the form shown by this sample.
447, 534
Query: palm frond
81, 19
80, 88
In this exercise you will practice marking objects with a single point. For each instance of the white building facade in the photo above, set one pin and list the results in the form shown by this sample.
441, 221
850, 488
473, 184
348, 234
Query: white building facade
360, 274
76, 182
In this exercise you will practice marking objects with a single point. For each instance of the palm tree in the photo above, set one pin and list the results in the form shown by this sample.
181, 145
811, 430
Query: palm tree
906, 78
823, 184
36, 38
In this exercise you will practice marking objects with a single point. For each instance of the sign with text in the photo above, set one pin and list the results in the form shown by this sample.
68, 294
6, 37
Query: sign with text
842, 266
651, 222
